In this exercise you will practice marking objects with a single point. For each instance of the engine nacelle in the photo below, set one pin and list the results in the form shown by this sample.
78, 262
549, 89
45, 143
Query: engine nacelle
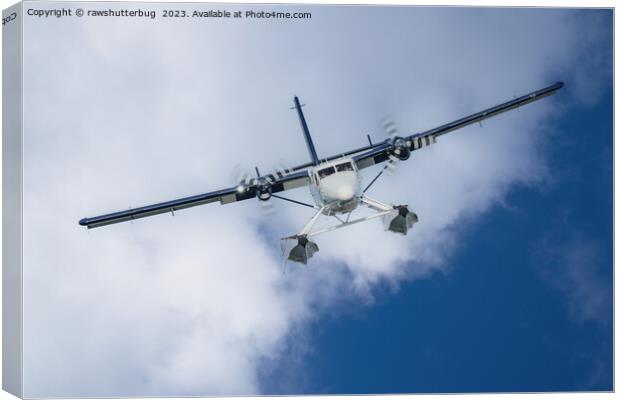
401, 150
263, 194
263, 189
402, 153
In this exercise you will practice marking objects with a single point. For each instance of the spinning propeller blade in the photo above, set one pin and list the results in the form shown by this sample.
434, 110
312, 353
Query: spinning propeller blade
389, 126
391, 130
240, 175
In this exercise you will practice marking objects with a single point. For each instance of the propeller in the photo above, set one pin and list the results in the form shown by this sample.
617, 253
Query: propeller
240, 175
263, 191
389, 126
401, 150
245, 180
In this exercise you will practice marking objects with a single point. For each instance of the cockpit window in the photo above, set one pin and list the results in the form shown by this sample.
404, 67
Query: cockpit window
344, 167
326, 172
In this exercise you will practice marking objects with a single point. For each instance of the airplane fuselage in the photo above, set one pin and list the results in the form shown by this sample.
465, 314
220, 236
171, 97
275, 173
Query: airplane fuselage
336, 185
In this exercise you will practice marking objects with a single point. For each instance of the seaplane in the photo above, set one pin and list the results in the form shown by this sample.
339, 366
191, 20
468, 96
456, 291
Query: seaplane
335, 182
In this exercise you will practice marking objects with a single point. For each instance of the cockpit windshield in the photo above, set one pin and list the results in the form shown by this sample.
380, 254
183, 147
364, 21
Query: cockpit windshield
326, 172
344, 167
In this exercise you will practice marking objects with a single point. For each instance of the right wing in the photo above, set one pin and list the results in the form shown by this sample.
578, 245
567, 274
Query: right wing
386, 149
269, 183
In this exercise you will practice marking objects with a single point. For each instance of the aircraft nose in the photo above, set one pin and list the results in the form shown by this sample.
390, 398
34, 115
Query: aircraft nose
345, 193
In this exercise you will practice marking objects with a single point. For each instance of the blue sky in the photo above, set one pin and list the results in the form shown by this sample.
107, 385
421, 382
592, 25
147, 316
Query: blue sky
504, 284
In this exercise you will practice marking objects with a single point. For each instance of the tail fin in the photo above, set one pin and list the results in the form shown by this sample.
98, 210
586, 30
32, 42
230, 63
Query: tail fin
304, 126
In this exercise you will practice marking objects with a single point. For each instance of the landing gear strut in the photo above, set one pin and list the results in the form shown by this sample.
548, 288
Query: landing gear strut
396, 219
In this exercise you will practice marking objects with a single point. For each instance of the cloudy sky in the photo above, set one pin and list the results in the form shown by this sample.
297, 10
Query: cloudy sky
504, 285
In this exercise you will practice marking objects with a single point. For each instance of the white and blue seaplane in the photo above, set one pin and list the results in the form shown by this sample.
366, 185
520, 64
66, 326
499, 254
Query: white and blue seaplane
335, 182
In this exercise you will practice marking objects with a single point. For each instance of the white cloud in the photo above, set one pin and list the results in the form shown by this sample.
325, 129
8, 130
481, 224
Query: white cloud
123, 113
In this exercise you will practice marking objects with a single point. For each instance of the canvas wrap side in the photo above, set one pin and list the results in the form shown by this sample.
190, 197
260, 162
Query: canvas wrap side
12, 143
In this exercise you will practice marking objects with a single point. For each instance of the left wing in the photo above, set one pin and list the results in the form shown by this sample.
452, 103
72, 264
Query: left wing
401, 147
261, 186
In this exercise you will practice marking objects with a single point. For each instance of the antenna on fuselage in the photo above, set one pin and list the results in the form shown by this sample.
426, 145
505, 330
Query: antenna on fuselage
304, 127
